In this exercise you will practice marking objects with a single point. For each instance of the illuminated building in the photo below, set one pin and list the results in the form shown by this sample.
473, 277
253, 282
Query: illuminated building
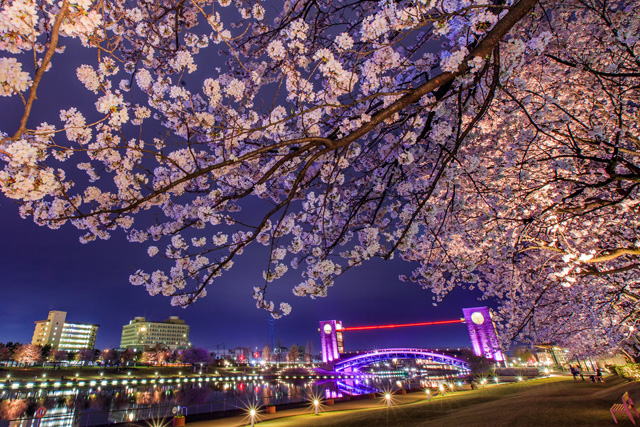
141, 333
62, 335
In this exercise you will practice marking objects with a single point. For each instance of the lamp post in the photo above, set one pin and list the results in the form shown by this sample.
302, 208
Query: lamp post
252, 413
316, 403
387, 396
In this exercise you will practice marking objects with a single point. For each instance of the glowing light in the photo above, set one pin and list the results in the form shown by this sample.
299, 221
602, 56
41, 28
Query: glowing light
252, 412
404, 325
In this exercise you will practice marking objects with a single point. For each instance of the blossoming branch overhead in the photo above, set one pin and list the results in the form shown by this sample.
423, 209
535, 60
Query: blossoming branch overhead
494, 145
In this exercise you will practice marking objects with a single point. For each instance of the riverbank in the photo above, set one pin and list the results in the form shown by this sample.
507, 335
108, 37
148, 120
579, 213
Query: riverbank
88, 373
554, 401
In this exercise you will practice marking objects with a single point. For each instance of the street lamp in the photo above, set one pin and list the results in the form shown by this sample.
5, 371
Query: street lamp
428, 392
316, 403
252, 413
387, 396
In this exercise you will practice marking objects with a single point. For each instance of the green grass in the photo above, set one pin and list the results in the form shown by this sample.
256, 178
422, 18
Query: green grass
555, 401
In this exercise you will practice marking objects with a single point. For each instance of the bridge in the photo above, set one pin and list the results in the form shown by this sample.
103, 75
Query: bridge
365, 359
481, 331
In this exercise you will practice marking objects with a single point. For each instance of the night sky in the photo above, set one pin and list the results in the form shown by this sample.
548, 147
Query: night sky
46, 270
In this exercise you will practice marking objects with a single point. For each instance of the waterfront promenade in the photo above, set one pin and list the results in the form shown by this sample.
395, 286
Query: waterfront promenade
555, 401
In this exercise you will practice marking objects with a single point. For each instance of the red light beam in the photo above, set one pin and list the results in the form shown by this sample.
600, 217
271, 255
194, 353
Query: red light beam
404, 325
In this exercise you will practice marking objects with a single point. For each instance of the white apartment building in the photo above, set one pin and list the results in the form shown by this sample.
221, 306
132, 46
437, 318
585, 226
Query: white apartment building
62, 335
141, 334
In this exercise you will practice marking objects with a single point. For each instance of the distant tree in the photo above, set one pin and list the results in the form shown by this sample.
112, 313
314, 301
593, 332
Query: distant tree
523, 353
86, 356
28, 354
308, 352
156, 355
175, 356
109, 356
266, 353
46, 351
195, 355
59, 355
294, 353
477, 364
128, 356
5, 353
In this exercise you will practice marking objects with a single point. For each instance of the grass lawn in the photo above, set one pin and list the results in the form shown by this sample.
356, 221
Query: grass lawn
557, 401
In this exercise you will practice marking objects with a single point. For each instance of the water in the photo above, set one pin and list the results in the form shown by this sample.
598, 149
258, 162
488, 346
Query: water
76, 406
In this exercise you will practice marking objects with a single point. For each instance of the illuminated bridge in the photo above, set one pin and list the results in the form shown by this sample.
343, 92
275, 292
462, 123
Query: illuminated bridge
356, 362
481, 331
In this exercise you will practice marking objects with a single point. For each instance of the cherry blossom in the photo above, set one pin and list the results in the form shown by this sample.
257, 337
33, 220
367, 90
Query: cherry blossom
494, 146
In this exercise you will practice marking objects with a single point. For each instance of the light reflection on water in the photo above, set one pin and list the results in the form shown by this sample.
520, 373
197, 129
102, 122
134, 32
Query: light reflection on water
98, 406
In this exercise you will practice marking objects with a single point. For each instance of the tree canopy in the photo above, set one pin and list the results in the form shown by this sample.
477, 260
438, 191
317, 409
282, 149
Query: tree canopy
492, 143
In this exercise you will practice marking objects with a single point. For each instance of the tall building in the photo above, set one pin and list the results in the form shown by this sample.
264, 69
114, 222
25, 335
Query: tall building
62, 335
141, 333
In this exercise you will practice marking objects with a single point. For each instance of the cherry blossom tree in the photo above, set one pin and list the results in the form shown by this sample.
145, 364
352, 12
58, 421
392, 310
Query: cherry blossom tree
156, 355
86, 356
59, 355
27, 354
493, 144
6, 353
195, 356
109, 356
127, 356
294, 353
266, 354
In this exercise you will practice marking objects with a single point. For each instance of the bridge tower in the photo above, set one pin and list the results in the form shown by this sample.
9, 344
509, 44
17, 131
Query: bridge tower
331, 340
482, 333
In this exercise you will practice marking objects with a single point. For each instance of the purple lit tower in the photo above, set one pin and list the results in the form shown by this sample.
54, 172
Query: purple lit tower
482, 333
331, 340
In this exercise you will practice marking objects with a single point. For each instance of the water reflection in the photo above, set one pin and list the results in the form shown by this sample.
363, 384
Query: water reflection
104, 405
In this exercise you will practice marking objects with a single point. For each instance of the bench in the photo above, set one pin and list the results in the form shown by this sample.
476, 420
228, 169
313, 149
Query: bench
625, 407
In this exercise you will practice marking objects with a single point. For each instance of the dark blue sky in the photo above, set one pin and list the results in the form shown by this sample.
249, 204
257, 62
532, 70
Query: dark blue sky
46, 270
